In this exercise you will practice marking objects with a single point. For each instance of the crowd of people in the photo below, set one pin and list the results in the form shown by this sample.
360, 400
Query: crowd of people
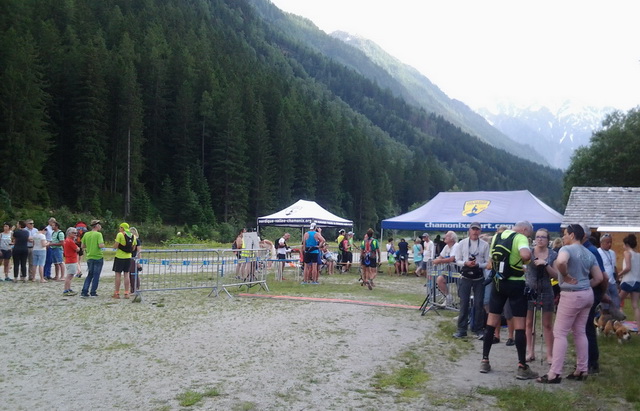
513, 276
55, 255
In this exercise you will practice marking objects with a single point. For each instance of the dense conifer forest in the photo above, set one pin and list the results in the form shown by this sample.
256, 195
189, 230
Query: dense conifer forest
224, 117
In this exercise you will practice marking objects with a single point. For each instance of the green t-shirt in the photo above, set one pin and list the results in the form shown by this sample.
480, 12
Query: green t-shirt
121, 240
92, 241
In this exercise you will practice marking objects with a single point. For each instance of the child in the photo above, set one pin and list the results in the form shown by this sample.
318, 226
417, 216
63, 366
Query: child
71, 260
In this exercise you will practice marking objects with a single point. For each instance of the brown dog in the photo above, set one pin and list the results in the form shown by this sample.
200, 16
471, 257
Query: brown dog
609, 328
601, 322
621, 331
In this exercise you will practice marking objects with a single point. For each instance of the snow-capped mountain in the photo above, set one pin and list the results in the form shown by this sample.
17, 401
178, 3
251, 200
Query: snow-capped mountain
554, 132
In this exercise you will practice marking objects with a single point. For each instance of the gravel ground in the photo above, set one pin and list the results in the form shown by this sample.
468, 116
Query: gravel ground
69, 353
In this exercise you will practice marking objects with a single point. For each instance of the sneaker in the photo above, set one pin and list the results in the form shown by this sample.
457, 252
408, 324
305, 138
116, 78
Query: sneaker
8, 279
485, 366
449, 300
460, 335
93, 295
83, 295
526, 373
510, 342
496, 340
69, 293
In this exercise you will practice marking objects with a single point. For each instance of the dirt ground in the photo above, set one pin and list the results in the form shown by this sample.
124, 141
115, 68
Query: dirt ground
69, 353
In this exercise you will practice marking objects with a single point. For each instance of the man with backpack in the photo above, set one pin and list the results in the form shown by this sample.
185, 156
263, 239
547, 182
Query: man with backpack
122, 261
510, 253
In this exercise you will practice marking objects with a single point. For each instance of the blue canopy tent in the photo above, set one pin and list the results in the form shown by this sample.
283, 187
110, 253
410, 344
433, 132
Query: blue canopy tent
455, 211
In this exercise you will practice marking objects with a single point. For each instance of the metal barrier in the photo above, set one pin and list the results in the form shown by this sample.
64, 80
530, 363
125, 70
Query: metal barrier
434, 298
215, 269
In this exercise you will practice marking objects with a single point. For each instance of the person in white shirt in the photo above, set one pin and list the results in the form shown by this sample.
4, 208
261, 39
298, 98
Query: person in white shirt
428, 250
609, 262
445, 264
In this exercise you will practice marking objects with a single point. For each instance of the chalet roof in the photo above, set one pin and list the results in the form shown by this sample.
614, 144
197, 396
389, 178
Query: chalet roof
603, 206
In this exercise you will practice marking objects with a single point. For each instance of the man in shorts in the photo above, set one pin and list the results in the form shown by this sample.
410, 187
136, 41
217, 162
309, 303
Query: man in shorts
71, 256
122, 261
512, 290
311, 242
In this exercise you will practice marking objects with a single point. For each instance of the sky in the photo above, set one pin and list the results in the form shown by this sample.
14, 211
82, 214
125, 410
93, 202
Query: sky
494, 51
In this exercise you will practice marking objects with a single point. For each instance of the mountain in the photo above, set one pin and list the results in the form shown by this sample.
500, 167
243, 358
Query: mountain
371, 61
554, 132
417, 88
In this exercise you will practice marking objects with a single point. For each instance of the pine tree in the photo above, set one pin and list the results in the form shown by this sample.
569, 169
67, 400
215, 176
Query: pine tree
23, 120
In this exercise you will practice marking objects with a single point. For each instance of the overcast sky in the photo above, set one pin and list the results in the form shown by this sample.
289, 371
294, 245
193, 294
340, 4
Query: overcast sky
484, 52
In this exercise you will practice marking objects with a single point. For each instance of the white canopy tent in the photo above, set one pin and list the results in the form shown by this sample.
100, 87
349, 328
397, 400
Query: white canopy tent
301, 214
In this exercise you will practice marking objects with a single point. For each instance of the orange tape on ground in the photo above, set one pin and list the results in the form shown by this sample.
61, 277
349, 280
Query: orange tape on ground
331, 300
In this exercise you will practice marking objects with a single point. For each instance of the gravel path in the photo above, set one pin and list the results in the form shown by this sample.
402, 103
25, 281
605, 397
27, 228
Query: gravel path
72, 353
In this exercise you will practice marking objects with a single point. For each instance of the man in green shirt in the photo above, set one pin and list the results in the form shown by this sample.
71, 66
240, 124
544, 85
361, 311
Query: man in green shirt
93, 243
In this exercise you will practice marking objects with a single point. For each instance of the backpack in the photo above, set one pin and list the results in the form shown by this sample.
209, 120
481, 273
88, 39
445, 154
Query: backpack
128, 244
500, 254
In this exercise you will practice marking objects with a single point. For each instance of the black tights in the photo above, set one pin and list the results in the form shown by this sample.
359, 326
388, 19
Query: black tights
20, 262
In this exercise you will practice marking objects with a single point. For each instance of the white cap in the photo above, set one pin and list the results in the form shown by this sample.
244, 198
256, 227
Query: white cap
312, 226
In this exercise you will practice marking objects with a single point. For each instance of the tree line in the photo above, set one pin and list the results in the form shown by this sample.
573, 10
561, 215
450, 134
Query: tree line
223, 116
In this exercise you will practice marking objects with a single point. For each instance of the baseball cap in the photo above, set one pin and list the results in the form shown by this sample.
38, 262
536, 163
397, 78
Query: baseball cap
350, 233
425, 235
125, 226
475, 224
95, 222
341, 230
312, 226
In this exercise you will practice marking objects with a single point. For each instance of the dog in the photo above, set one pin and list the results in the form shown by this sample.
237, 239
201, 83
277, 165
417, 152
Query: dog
621, 332
600, 322
608, 328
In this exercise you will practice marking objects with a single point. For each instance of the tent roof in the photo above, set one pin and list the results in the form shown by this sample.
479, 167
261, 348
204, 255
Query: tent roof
303, 213
456, 210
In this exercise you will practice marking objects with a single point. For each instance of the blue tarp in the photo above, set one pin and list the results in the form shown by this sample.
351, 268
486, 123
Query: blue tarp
456, 210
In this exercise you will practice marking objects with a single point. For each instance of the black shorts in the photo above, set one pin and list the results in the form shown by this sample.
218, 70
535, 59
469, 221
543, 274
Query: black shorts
373, 262
512, 290
347, 257
282, 256
311, 258
6, 254
121, 265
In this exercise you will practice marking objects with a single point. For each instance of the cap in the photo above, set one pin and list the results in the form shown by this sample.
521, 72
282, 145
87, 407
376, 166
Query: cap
425, 235
95, 222
341, 230
350, 233
475, 224
312, 226
125, 226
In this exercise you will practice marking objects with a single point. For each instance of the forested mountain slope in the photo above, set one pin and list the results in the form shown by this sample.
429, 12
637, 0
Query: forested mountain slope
225, 116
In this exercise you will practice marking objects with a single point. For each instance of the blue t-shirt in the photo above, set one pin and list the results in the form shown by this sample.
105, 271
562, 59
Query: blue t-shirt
311, 242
